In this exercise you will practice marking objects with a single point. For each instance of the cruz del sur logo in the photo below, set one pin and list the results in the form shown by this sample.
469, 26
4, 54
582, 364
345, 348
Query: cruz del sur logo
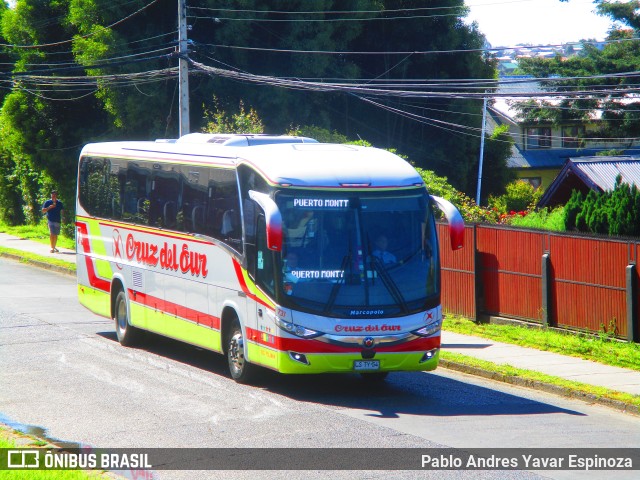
169, 256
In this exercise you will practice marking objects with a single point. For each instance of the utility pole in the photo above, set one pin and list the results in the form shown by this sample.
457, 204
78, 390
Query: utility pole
183, 70
484, 122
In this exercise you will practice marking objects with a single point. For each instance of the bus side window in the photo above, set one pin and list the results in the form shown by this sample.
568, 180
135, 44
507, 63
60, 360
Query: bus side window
169, 214
191, 215
223, 212
198, 218
135, 206
164, 199
213, 218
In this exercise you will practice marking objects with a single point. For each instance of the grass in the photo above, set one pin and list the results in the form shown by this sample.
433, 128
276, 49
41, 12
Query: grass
38, 233
601, 349
10, 438
28, 257
530, 378
544, 219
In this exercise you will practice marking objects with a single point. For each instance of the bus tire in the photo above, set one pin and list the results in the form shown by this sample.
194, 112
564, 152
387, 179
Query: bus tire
374, 377
127, 334
241, 370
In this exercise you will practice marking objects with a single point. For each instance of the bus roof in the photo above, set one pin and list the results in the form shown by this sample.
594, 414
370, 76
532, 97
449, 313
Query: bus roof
300, 164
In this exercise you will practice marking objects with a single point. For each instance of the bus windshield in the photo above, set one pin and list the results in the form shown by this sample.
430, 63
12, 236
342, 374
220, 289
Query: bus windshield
357, 254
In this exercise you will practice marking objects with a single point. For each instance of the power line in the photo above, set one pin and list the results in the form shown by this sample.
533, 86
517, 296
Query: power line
74, 67
437, 90
415, 52
323, 20
326, 12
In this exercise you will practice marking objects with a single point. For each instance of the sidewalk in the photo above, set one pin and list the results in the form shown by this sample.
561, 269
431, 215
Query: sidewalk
569, 368
44, 250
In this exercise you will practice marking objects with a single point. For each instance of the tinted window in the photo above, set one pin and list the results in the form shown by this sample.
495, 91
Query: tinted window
193, 199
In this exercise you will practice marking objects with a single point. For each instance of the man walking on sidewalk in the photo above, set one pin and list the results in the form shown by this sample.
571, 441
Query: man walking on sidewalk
54, 209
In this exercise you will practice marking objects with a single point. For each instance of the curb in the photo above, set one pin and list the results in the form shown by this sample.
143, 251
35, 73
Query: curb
39, 263
619, 405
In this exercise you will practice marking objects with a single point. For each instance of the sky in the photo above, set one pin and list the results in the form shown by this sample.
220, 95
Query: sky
537, 22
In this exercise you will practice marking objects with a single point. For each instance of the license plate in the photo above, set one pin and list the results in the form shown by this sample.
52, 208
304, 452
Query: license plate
360, 365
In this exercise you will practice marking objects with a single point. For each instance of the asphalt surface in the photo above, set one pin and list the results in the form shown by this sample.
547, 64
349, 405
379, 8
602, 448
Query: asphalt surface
553, 364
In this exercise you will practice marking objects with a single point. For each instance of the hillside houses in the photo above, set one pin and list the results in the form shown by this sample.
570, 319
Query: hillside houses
590, 173
508, 56
540, 150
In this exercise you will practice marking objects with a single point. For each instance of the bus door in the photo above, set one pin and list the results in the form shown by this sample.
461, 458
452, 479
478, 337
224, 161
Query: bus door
260, 261
261, 266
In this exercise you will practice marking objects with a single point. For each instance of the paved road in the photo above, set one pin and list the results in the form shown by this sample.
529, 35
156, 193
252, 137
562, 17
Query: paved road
61, 368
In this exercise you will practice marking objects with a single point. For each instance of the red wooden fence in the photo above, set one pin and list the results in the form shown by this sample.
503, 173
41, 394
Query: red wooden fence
591, 281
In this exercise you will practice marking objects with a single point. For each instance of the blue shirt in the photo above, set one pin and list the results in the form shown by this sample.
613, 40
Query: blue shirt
384, 256
53, 215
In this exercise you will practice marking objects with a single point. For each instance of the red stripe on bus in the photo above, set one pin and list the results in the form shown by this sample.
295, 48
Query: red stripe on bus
245, 288
95, 281
243, 284
315, 346
147, 300
175, 309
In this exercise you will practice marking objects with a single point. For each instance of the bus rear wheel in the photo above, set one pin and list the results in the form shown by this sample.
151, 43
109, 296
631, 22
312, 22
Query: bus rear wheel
241, 370
127, 334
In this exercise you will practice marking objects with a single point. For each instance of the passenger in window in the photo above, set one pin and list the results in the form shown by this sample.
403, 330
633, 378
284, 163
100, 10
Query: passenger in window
302, 230
381, 251
291, 265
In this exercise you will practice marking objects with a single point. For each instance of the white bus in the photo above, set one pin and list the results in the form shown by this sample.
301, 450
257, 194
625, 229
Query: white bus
276, 251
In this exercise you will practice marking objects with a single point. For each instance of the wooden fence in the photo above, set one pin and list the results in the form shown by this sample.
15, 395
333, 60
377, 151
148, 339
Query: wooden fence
563, 280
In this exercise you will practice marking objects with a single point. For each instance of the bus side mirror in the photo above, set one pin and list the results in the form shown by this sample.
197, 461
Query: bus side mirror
456, 223
272, 217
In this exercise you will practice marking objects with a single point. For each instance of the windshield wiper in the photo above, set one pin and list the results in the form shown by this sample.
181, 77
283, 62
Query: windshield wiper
336, 286
389, 283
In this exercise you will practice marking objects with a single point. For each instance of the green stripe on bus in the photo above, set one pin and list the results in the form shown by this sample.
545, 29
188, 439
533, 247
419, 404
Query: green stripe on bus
336, 363
95, 300
183, 330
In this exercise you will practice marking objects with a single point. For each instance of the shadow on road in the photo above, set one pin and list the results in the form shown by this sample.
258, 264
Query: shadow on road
411, 393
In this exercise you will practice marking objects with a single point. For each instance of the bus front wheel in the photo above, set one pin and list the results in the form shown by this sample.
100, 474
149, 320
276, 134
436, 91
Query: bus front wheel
127, 334
241, 370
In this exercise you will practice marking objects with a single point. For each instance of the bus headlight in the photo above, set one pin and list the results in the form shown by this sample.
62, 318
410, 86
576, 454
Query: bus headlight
297, 330
430, 328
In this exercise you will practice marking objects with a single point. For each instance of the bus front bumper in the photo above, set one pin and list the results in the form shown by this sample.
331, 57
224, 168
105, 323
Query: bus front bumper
301, 363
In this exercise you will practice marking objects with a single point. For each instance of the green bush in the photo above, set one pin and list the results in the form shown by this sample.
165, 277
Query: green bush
572, 209
615, 212
544, 219
318, 133
218, 120
520, 196
470, 212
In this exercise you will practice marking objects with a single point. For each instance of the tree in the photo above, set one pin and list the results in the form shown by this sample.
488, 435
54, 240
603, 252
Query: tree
572, 208
496, 175
345, 41
219, 121
10, 198
615, 212
45, 126
599, 70
440, 133
37, 123
519, 196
